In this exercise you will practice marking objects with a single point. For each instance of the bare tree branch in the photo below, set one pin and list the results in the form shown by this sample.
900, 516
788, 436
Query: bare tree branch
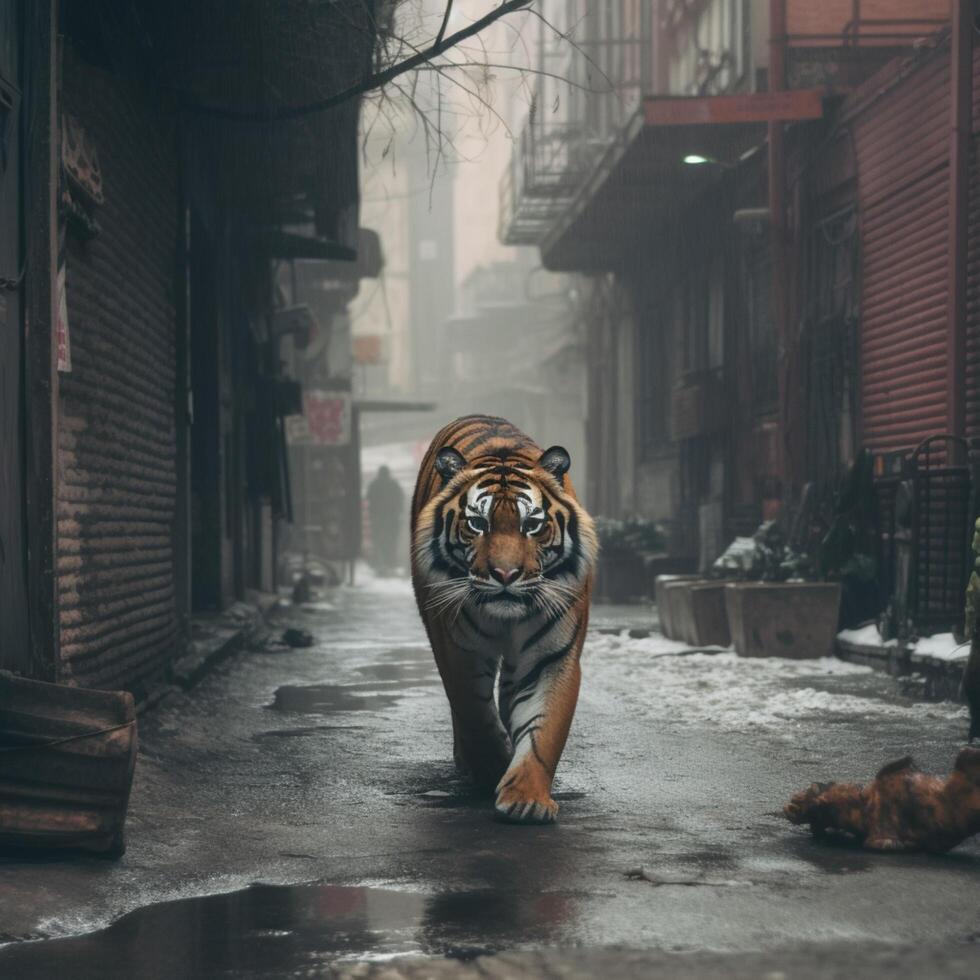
445, 21
567, 37
527, 72
372, 81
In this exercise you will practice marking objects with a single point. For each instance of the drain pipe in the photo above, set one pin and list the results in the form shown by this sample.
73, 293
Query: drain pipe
961, 124
778, 238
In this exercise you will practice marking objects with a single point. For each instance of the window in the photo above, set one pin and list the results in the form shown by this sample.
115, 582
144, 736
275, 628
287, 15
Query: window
709, 49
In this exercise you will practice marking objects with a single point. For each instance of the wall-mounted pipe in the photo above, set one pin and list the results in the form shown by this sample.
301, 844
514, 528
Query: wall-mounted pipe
961, 125
777, 230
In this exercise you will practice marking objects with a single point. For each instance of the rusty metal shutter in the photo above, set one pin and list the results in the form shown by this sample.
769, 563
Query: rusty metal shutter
15, 638
117, 454
901, 141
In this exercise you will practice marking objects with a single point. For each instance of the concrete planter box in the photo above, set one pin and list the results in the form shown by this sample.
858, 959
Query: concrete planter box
657, 566
667, 591
693, 610
783, 619
707, 618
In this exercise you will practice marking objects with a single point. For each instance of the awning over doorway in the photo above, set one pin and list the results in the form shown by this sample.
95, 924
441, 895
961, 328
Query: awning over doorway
643, 179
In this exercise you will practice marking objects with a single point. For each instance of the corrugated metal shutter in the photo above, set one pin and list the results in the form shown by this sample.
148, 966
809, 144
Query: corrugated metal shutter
901, 140
15, 636
117, 481
973, 268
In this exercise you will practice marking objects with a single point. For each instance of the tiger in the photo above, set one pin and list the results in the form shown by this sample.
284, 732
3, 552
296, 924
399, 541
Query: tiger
503, 557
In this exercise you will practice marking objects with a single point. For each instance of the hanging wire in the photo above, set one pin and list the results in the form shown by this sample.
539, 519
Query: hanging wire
52, 743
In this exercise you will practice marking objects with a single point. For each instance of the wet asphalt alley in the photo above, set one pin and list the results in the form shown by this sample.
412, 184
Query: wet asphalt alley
323, 778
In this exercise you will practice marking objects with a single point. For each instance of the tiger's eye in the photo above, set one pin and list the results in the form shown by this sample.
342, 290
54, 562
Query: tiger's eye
532, 525
478, 524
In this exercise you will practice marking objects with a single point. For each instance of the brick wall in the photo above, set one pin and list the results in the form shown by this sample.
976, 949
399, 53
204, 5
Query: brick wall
117, 452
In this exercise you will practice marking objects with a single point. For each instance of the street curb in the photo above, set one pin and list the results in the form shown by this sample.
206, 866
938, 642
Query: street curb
218, 637
942, 678
203, 656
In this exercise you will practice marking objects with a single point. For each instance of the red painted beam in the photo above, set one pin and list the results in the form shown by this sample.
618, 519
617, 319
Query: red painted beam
757, 107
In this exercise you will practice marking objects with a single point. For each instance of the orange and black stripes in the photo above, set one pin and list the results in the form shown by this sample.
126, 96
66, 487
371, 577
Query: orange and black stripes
502, 563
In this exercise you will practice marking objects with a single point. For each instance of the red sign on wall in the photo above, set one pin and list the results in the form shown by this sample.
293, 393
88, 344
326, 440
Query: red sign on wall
326, 420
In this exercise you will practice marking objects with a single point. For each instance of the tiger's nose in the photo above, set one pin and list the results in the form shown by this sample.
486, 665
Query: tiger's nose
505, 576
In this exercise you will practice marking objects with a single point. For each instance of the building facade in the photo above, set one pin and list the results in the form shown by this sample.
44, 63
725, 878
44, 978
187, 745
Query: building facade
776, 241
150, 195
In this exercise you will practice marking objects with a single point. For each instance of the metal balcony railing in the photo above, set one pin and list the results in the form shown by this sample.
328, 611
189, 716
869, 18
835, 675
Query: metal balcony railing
607, 68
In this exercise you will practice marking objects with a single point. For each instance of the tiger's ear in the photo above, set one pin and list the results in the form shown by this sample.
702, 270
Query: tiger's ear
448, 463
556, 461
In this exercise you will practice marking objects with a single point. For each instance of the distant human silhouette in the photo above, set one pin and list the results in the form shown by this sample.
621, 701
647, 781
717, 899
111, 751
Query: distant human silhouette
385, 501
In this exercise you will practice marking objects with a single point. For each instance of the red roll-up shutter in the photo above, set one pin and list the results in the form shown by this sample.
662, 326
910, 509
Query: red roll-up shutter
117, 457
902, 146
973, 268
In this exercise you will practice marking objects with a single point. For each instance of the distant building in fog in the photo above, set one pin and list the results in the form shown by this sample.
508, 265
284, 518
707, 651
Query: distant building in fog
516, 350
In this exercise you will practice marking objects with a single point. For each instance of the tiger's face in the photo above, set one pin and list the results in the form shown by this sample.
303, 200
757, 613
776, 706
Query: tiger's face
504, 537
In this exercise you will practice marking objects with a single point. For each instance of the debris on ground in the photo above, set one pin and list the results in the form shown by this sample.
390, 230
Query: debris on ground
903, 809
295, 637
67, 756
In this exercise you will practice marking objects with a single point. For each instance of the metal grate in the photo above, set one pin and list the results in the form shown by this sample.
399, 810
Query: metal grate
890, 471
941, 533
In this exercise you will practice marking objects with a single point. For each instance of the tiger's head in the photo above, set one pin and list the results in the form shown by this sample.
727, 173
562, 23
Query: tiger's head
505, 536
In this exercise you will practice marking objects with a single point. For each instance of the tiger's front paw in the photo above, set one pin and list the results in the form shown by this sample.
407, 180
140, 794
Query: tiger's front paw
524, 796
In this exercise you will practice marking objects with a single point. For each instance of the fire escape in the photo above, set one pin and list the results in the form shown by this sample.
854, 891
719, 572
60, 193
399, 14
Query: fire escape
585, 97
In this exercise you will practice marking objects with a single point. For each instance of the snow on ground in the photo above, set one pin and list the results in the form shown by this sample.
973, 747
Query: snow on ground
716, 687
366, 580
865, 636
667, 679
942, 646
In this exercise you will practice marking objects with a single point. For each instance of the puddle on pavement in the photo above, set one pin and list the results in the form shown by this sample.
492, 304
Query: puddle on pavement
408, 673
303, 732
384, 682
283, 931
327, 698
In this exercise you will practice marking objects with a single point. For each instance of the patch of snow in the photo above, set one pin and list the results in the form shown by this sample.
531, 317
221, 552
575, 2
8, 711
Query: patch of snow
741, 554
865, 635
668, 680
365, 580
319, 606
654, 645
942, 646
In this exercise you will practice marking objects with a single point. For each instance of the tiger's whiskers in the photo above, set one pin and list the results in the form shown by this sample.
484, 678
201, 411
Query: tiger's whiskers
445, 595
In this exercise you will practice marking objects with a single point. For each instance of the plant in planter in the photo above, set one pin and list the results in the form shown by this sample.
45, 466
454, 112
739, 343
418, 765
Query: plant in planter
632, 534
773, 610
765, 557
812, 581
